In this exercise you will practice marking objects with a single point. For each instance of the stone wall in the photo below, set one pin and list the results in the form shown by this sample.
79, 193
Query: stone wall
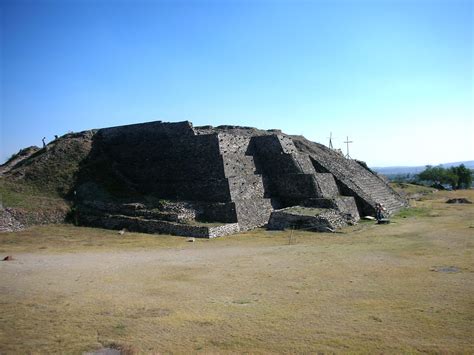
326, 185
220, 231
166, 160
15, 219
233, 144
152, 226
238, 164
246, 187
324, 221
253, 213
273, 158
8, 221
345, 205
215, 211
292, 188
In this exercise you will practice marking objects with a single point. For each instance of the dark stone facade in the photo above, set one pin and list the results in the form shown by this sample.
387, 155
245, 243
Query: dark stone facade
232, 176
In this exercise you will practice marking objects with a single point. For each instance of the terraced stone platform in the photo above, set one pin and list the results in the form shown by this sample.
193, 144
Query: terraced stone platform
216, 180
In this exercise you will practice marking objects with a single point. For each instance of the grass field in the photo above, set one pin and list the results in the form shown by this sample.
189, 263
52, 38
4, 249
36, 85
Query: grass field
406, 287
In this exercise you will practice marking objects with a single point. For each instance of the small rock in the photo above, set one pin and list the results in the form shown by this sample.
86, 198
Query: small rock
104, 351
458, 200
122, 232
191, 240
8, 258
447, 269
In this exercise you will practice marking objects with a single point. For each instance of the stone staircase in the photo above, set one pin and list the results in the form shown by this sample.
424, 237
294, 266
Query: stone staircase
246, 186
370, 188
377, 190
352, 178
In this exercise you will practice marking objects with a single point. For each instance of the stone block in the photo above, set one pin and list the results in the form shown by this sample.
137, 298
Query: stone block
314, 219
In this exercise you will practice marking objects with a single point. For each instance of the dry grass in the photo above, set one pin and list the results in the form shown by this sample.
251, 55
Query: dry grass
369, 289
413, 192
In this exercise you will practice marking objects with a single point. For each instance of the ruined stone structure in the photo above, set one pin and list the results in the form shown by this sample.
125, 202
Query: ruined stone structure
205, 181
312, 219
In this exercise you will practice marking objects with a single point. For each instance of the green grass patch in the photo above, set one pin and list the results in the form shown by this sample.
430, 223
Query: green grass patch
26, 196
413, 212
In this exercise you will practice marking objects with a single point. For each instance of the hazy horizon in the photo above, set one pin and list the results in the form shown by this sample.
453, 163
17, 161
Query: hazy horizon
396, 77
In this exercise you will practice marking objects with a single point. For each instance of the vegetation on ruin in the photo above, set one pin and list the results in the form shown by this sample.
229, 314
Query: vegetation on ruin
20, 194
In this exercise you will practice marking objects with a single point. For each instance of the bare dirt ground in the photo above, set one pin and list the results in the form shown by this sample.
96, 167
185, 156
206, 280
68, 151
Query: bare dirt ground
404, 287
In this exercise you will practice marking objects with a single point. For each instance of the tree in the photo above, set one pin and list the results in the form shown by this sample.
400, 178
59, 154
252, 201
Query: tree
450, 177
464, 176
435, 175
456, 176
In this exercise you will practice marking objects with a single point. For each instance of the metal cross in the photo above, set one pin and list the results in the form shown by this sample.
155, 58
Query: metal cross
347, 144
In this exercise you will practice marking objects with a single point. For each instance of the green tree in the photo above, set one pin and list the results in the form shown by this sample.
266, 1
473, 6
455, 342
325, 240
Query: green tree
464, 176
456, 176
435, 175
450, 177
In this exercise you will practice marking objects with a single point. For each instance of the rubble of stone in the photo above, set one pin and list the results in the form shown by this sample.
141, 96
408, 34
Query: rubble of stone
208, 181
17, 219
8, 221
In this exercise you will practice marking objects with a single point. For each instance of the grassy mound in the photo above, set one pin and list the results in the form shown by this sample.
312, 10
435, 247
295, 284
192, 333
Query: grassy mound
53, 169
35, 183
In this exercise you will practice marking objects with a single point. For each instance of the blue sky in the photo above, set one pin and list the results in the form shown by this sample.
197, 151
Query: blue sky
394, 76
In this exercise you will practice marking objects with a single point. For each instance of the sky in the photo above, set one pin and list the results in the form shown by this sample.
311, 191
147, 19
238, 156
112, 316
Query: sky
395, 76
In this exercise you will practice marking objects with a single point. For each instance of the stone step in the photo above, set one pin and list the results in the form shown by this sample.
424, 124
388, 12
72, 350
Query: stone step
307, 218
253, 213
352, 177
137, 224
346, 205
